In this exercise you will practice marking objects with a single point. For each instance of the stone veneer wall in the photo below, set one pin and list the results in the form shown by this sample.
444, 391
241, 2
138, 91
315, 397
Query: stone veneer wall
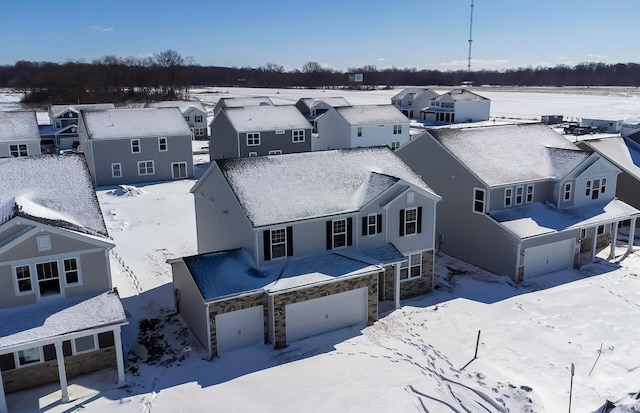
422, 285
234, 304
47, 372
281, 300
389, 282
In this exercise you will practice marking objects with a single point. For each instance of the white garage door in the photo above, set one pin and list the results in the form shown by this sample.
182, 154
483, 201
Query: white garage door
547, 258
319, 315
240, 328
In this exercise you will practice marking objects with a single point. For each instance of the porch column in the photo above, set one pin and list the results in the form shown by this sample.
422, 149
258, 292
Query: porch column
396, 290
632, 234
594, 242
117, 339
62, 373
3, 398
614, 240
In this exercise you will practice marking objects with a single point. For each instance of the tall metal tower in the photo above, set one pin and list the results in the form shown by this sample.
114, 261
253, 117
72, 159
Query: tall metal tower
470, 37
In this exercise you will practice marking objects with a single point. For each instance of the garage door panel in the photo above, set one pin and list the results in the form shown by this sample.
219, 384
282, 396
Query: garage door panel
320, 315
548, 258
240, 328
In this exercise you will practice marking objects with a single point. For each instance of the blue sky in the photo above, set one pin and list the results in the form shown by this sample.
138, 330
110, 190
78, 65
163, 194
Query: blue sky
423, 34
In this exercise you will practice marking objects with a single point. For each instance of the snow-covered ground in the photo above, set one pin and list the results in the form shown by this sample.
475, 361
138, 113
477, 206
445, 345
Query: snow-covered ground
419, 358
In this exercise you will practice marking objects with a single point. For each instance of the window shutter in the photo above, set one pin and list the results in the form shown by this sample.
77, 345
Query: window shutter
329, 232
289, 241
419, 220
349, 231
379, 224
402, 222
365, 226
266, 234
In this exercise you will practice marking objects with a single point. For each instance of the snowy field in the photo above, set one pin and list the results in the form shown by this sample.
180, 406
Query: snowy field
419, 358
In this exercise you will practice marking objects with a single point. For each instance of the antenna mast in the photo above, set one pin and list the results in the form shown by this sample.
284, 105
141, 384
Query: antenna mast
470, 37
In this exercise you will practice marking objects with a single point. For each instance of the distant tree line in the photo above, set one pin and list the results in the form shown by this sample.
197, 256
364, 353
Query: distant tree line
167, 75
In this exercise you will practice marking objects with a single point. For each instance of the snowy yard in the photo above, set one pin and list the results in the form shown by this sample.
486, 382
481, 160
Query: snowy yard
419, 358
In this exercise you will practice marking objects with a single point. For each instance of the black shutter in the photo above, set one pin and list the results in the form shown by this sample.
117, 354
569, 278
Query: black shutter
419, 220
329, 232
402, 222
349, 231
365, 226
289, 241
266, 234
379, 224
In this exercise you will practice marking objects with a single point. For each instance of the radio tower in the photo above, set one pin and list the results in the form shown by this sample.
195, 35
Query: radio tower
470, 38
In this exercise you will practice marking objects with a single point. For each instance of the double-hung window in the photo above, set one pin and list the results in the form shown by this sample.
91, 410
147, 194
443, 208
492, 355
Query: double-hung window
48, 278
411, 267
508, 197
146, 168
479, 200
372, 224
23, 278
529, 194
135, 145
397, 129
339, 233
410, 221
71, 271
519, 195
278, 243
567, 191
595, 187
116, 170
359, 131
162, 144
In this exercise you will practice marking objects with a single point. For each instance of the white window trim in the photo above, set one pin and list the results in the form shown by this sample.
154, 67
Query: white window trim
185, 170
375, 225
567, 190
275, 152
583, 233
153, 166
409, 266
284, 242
280, 132
298, 139
359, 131
74, 349
64, 272
406, 221
515, 195
16, 288
132, 141
61, 279
397, 129
166, 144
484, 200
255, 136
113, 174
508, 195
252, 154
44, 243
333, 233
527, 193
21, 366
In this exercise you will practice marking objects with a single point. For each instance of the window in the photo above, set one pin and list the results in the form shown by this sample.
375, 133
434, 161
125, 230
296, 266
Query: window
519, 195
48, 278
372, 224
253, 139
395, 145
84, 344
71, 273
280, 132
411, 267
252, 154
146, 168
178, 170
162, 144
508, 197
58, 124
298, 135
29, 356
198, 118
199, 131
186, 118
397, 129
275, 152
410, 221
135, 145
359, 131
339, 233
116, 170
44, 243
278, 243
600, 229
567, 191
23, 277
478, 200
595, 187
583, 233
529, 194
18, 150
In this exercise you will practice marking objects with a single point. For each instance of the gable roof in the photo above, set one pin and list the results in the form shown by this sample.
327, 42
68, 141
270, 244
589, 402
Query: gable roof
57, 110
333, 101
19, 126
371, 114
415, 90
284, 188
134, 123
239, 102
64, 199
622, 152
266, 118
183, 105
506, 154
461, 94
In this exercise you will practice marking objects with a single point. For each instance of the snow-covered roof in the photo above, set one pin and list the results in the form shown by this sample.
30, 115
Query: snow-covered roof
371, 114
34, 323
56, 110
284, 188
461, 94
333, 101
622, 152
19, 126
414, 90
266, 118
183, 105
507, 154
135, 123
537, 218
56, 190
239, 102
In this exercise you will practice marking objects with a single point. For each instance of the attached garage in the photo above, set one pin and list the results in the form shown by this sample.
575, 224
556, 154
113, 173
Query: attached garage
548, 258
320, 315
241, 328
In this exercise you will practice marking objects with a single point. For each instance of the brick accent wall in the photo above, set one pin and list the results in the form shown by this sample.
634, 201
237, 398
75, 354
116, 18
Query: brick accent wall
281, 300
422, 285
235, 304
585, 244
42, 373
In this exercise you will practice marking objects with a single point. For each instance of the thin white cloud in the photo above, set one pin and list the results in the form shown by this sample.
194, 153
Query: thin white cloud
597, 56
476, 64
99, 28
381, 59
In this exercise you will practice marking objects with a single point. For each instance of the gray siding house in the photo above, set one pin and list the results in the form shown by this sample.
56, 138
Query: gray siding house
62, 132
519, 200
125, 146
313, 242
411, 100
59, 315
240, 102
193, 112
259, 130
312, 108
19, 134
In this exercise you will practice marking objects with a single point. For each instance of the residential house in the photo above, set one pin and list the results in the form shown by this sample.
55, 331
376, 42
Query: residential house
360, 126
59, 314
125, 146
259, 130
631, 129
193, 112
519, 200
409, 101
240, 102
19, 135
457, 106
312, 242
61, 134
312, 108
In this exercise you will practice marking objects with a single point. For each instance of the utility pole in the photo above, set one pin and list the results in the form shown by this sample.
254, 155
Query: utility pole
470, 38
573, 370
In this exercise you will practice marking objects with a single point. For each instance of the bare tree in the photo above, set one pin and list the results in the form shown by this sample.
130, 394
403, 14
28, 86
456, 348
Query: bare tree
172, 65
311, 67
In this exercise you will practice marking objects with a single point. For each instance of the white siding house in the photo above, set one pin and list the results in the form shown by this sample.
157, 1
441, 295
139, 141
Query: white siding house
411, 100
457, 106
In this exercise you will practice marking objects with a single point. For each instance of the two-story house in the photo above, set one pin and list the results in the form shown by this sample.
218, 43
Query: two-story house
193, 112
519, 200
361, 126
312, 108
19, 134
125, 146
312, 243
240, 102
409, 101
259, 130
59, 314
456, 106
62, 130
